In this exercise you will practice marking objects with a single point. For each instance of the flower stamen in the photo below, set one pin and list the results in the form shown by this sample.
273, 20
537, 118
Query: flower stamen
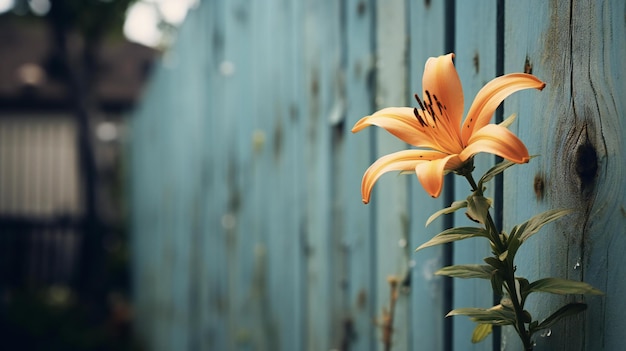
418, 117
419, 101
430, 118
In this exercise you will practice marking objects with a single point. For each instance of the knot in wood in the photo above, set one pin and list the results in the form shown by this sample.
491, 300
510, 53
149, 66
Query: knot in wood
586, 165
539, 186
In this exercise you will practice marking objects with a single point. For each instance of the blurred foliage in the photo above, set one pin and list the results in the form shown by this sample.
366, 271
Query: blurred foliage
38, 317
57, 317
53, 319
93, 18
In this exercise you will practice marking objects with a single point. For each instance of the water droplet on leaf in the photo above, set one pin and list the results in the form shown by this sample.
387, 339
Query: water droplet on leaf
546, 333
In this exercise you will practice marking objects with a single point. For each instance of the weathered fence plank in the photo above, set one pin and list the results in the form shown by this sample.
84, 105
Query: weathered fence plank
475, 48
429, 301
577, 126
220, 134
390, 195
194, 104
359, 331
320, 67
233, 73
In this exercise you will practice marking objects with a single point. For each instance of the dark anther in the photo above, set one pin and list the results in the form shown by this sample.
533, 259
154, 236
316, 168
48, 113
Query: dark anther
419, 101
419, 118
429, 98
424, 109
429, 103
439, 105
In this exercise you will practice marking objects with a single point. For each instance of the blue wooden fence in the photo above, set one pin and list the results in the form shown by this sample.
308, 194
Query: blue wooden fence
248, 227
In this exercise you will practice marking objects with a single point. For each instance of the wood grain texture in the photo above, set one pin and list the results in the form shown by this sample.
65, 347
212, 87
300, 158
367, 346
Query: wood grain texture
357, 220
429, 303
323, 265
475, 60
390, 193
576, 125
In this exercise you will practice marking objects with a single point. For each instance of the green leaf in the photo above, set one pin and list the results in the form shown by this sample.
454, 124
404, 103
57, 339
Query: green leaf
497, 315
526, 316
567, 310
454, 234
513, 244
500, 167
503, 255
456, 205
478, 208
508, 121
481, 332
494, 171
481, 271
496, 282
561, 286
532, 226
523, 286
493, 262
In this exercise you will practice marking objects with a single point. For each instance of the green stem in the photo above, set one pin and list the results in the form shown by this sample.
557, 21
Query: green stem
509, 272
519, 310
495, 237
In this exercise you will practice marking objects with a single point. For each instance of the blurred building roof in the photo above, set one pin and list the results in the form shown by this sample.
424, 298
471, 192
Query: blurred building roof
29, 78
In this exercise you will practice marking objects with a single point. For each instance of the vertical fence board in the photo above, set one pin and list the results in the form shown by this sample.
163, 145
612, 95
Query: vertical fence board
149, 237
602, 259
390, 194
233, 74
197, 99
295, 164
475, 48
427, 32
576, 125
210, 330
284, 244
274, 291
536, 131
359, 332
323, 266
189, 205
261, 318
221, 135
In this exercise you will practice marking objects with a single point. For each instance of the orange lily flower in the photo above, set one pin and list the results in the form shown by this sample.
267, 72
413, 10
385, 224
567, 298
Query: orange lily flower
436, 125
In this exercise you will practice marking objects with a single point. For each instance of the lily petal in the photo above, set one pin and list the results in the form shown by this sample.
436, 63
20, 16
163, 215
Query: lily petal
401, 122
404, 160
491, 96
430, 174
442, 80
498, 140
